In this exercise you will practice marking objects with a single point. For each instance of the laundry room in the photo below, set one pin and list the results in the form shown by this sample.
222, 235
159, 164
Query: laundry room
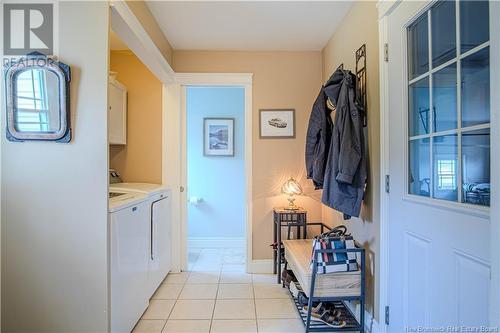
139, 205
135, 117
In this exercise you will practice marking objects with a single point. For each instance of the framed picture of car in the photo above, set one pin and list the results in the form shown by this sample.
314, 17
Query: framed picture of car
218, 136
277, 123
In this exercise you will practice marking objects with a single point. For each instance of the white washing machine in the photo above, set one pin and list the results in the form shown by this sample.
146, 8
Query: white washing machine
160, 245
128, 216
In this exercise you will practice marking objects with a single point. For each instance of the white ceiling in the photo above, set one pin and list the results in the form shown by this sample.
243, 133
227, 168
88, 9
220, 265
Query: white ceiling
248, 25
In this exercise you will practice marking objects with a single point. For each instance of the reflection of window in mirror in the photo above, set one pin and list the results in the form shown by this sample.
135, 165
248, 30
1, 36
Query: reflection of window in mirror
37, 100
37, 104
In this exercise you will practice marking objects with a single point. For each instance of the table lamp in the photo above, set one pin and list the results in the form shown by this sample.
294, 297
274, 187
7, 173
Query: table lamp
291, 188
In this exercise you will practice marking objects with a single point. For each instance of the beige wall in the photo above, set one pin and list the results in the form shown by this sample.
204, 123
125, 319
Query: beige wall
55, 198
148, 22
141, 159
361, 26
281, 80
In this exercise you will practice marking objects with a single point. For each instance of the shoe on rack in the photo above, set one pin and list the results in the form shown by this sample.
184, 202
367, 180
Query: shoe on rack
327, 318
287, 277
315, 309
320, 308
302, 298
294, 290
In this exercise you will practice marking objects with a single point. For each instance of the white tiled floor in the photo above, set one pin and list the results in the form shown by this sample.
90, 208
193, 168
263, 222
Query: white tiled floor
218, 296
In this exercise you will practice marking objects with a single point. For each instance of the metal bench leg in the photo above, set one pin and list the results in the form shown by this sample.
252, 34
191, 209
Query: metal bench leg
311, 293
309, 309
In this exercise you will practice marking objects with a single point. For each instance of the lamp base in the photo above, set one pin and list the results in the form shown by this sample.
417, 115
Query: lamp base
291, 204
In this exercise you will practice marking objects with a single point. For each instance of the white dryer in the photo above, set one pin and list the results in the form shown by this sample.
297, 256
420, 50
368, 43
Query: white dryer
160, 248
128, 213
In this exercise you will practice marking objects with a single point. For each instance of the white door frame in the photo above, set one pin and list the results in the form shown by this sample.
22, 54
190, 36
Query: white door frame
184, 80
385, 9
495, 163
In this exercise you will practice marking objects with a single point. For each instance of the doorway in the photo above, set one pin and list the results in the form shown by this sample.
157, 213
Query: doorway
215, 147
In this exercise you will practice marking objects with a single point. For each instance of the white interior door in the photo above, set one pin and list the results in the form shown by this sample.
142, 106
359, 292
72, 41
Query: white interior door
439, 132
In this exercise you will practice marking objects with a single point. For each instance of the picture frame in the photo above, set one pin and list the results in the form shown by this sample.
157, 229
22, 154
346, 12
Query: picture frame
277, 123
218, 136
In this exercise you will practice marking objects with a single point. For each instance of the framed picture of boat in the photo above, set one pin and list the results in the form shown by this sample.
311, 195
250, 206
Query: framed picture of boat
277, 123
218, 136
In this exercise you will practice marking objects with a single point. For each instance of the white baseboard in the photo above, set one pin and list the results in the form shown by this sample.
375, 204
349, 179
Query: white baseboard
371, 325
261, 266
216, 242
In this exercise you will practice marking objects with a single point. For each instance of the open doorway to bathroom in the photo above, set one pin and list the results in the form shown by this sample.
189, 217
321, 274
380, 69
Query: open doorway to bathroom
215, 166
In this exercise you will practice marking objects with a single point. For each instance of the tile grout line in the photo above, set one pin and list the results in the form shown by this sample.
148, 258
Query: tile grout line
175, 303
215, 301
255, 306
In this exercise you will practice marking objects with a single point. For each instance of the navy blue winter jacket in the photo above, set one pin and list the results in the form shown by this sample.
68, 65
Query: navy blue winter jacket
335, 152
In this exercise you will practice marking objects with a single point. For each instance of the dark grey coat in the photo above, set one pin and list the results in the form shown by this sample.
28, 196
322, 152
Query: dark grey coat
319, 135
344, 163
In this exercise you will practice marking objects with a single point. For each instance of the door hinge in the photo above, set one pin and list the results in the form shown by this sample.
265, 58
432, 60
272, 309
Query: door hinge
386, 52
387, 183
387, 315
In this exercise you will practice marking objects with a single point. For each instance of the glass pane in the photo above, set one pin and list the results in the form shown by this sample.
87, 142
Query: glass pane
444, 98
474, 24
419, 107
443, 32
445, 160
476, 88
419, 173
418, 48
37, 106
476, 167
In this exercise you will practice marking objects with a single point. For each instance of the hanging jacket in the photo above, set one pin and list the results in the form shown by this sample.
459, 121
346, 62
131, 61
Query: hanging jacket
344, 175
319, 134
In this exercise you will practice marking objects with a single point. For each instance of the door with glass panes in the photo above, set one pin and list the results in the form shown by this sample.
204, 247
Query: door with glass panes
439, 150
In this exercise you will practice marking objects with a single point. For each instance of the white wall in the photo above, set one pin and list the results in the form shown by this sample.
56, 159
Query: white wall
54, 207
220, 181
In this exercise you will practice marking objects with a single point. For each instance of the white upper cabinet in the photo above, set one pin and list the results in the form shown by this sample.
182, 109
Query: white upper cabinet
117, 112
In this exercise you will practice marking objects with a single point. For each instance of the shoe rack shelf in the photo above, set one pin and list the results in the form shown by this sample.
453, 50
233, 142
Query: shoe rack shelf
340, 302
315, 326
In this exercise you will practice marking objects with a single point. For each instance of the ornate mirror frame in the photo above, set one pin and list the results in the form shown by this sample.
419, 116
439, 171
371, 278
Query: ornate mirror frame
63, 73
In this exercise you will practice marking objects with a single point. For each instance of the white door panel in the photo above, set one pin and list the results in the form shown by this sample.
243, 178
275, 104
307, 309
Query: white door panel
416, 281
439, 250
472, 282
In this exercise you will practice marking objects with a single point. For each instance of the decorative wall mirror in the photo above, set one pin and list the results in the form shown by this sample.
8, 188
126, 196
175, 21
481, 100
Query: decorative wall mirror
37, 96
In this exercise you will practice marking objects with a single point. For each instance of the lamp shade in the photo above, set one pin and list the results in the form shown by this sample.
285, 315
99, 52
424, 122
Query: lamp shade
291, 187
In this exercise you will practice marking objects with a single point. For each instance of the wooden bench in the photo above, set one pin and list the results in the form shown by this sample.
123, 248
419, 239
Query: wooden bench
298, 257
338, 287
